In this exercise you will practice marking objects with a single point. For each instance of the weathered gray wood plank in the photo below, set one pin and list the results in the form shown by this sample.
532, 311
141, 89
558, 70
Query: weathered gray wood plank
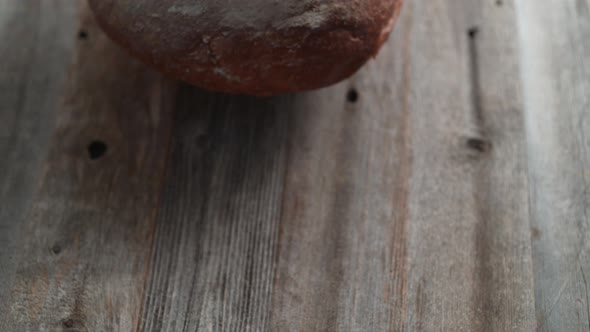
36, 38
469, 238
342, 250
213, 260
88, 235
505, 282
556, 58
409, 210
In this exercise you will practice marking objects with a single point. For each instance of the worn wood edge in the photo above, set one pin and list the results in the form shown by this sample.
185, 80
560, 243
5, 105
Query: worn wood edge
555, 56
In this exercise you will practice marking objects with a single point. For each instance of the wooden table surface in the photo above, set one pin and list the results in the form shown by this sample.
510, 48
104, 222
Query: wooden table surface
446, 187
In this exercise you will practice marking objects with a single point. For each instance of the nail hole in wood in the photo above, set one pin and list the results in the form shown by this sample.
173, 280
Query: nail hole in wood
478, 144
56, 249
68, 323
352, 96
472, 32
499, 3
82, 34
97, 150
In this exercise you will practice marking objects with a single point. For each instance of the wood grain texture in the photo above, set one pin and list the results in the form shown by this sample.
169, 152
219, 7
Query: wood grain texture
36, 44
469, 240
342, 249
556, 58
88, 234
506, 283
213, 259
409, 211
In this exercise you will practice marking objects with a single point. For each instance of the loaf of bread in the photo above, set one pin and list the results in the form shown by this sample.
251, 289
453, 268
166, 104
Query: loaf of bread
257, 47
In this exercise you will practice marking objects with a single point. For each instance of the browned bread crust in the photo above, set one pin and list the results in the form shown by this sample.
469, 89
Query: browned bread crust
259, 47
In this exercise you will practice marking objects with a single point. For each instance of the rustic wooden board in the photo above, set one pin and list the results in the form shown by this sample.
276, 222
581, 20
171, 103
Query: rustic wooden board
402, 199
36, 39
469, 265
556, 49
87, 238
